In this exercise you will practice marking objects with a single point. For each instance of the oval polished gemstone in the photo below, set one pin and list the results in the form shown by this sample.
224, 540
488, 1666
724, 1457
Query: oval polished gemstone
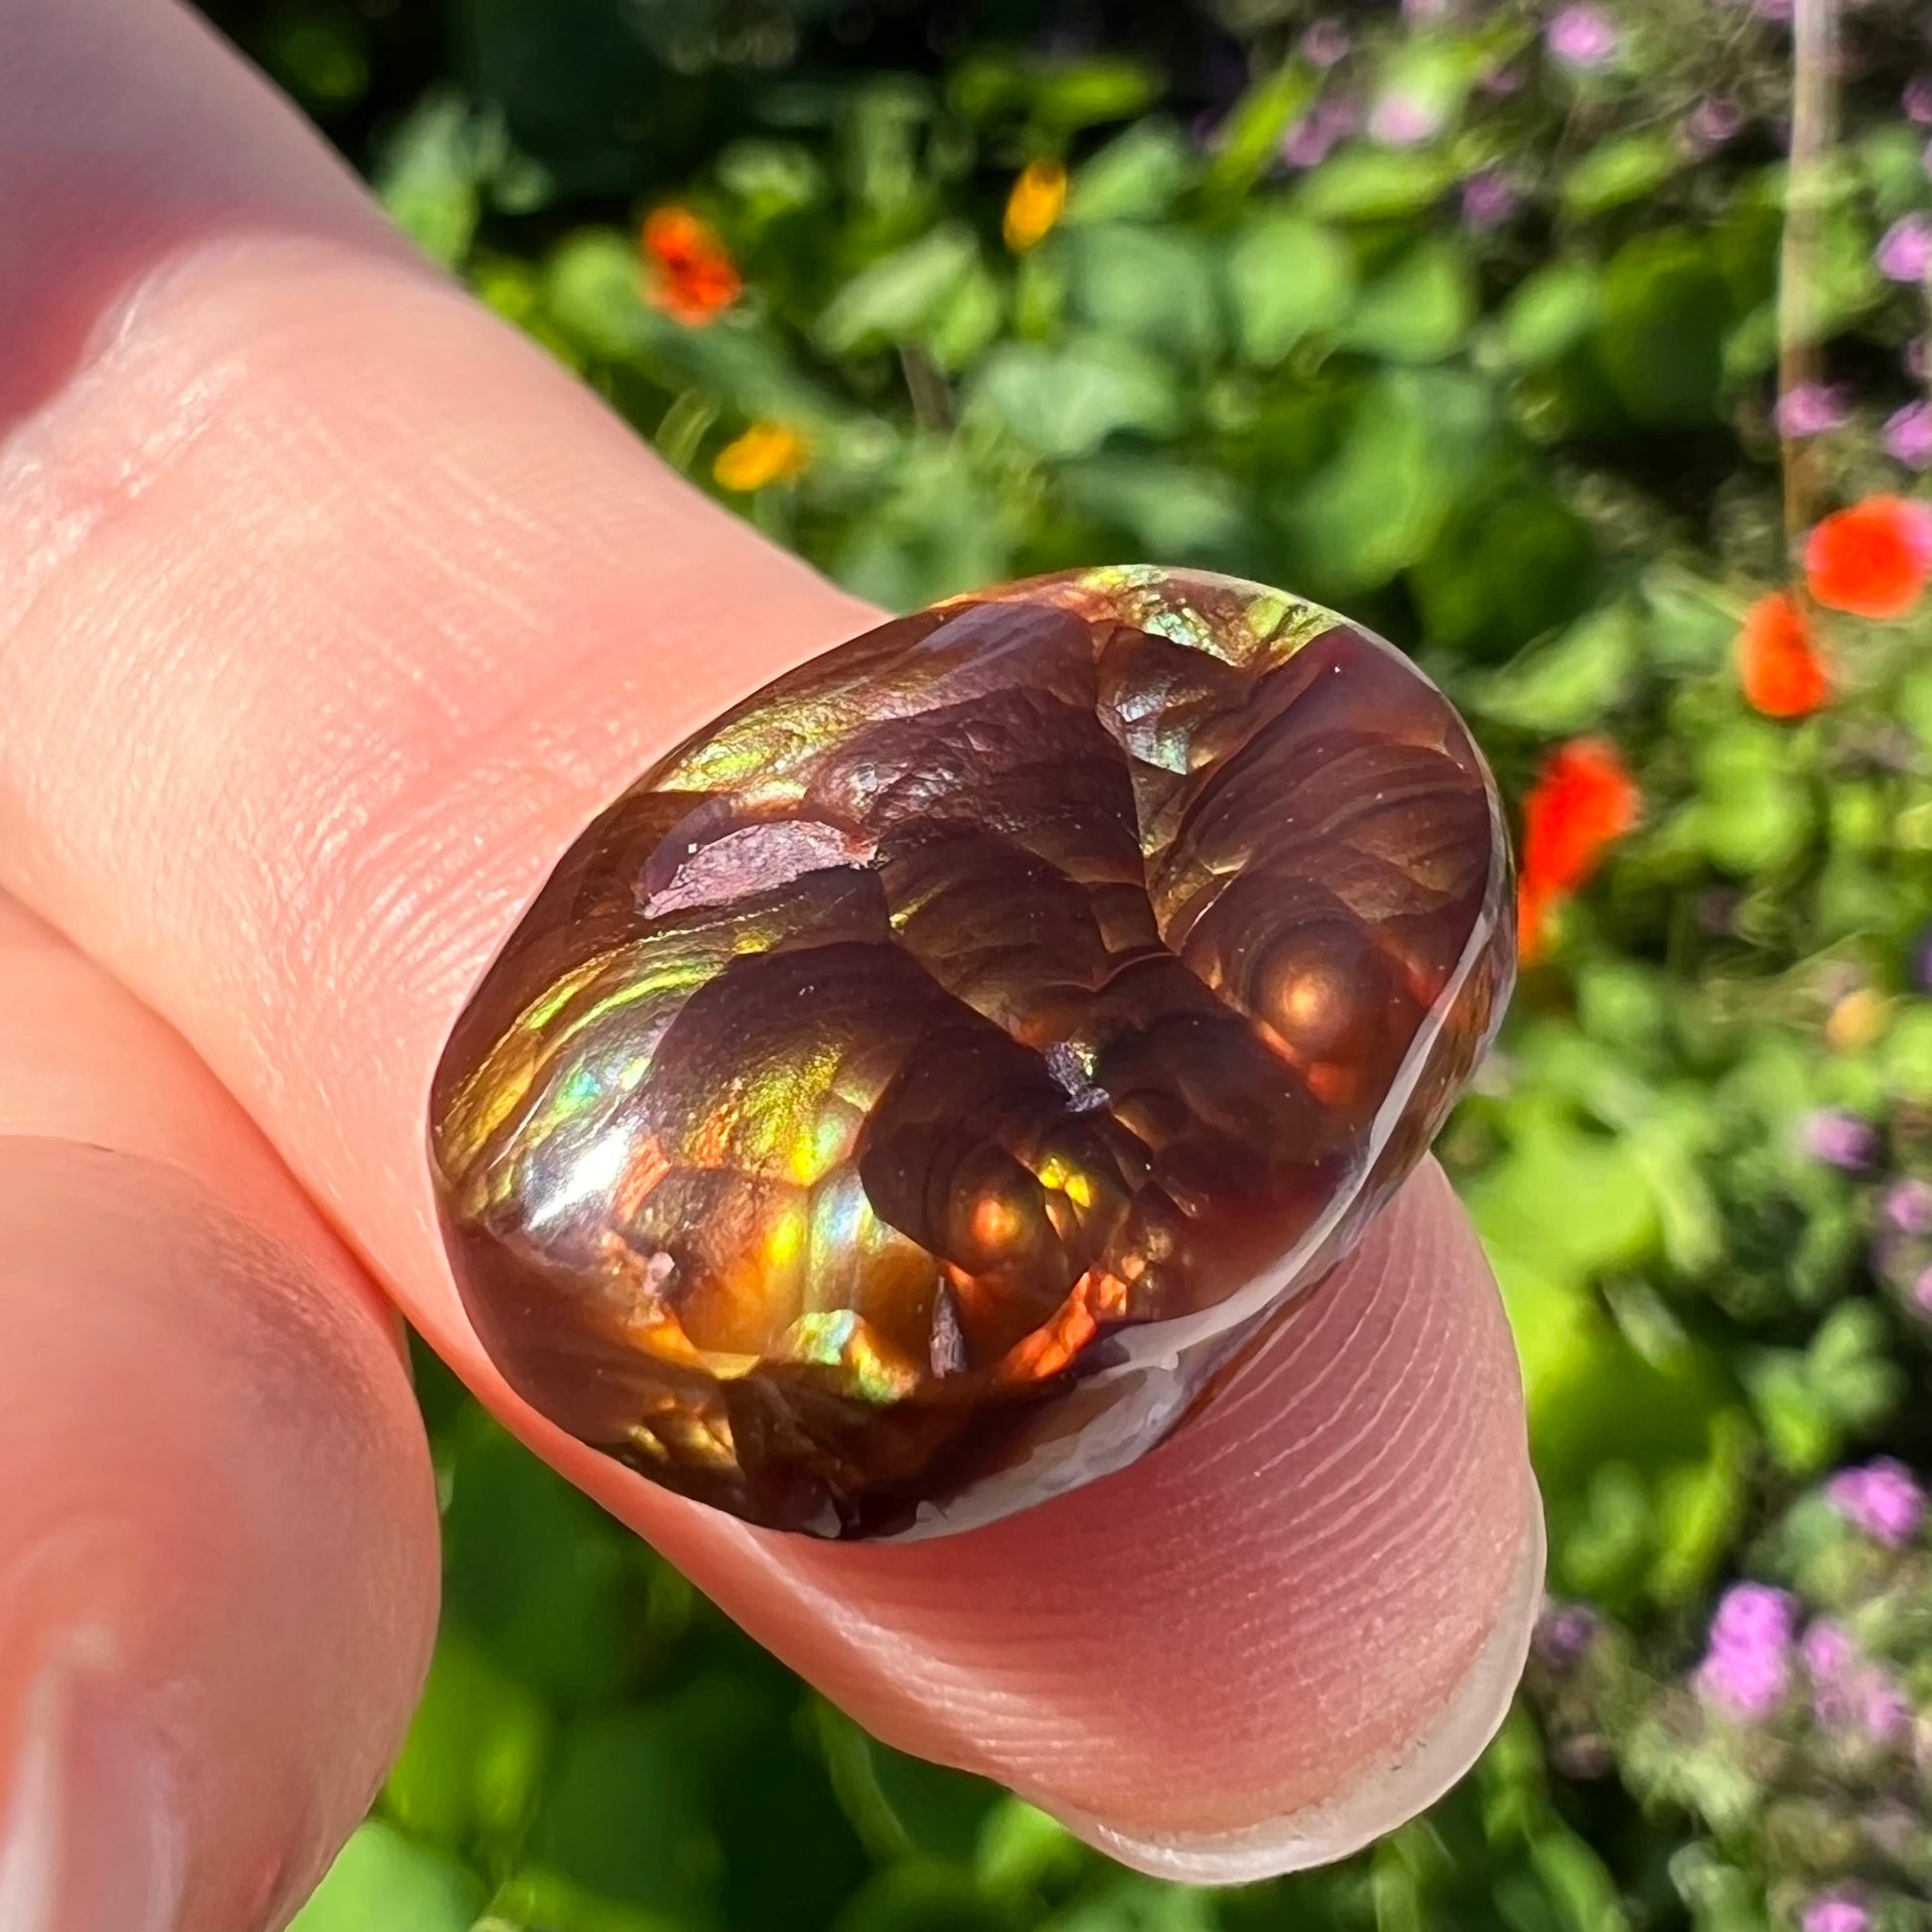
910, 1096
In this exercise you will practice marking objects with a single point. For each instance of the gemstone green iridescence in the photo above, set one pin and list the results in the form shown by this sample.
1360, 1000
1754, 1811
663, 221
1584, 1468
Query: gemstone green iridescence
905, 1100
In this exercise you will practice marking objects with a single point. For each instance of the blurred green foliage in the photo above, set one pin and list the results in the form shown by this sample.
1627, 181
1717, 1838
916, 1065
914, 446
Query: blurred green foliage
1473, 338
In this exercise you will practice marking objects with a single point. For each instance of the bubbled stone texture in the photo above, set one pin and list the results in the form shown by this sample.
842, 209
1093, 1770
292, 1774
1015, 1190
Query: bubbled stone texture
929, 1081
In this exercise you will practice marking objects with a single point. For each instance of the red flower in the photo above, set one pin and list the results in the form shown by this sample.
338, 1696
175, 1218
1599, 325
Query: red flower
1873, 559
1583, 799
693, 278
1778, 665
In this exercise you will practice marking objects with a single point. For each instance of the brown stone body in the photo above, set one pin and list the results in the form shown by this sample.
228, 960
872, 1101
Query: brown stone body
903, 1101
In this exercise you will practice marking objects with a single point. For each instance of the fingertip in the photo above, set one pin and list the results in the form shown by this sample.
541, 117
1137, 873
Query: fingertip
1379, 1797
218, 1540
1277, 1636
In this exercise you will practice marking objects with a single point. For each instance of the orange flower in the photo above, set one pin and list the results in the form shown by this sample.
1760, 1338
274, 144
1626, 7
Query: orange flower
1033, 207
1583, 799
1778, 666
1873, 559
766, 452
693, 278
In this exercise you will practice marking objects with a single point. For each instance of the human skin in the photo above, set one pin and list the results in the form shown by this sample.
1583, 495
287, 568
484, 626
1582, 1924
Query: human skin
331, 610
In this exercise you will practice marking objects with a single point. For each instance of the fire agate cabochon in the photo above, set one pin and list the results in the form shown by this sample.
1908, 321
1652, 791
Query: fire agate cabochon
905, 1101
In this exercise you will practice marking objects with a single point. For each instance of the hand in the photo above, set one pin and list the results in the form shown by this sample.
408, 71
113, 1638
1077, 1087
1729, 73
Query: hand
329, 612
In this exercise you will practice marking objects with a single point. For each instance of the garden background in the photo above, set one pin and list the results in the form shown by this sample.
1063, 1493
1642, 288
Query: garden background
1466, 318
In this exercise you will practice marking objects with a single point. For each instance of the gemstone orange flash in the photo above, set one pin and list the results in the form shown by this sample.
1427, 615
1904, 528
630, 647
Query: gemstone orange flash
906, 1099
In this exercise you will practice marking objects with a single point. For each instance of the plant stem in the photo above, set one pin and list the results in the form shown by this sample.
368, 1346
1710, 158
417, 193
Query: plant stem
1814, 49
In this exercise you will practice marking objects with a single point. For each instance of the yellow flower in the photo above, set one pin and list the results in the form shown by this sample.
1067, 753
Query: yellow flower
1034, 204
766, 452
1857, 1020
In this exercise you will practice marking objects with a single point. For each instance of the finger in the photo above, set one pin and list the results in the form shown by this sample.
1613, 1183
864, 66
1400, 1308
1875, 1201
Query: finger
1273, 1639
218, 1529
379, 610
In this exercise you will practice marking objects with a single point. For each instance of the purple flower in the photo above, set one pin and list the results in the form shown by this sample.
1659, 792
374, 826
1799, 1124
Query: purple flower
1908, 435
1754, 1613
1907, 1206
1325, 43
1565, 1631
1833, 1912
1489, 200
1847, 1691
1840, 1140
1713, 122
1916, 100
1810, 409
1828, 1651
1308, 141
1581, 37
1904, 251
1884, 1711
1746, 1668
1884, 1499
1400, 120
1418, 12
1505, 80
1922, 1292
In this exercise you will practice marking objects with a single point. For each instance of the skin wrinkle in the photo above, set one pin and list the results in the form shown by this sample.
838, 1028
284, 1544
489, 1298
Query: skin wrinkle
1347, 1471
358, 999
1359, 1722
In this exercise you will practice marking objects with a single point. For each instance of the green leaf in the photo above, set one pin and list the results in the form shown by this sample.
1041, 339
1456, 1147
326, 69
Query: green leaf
1798, 1428
429, 176
1143, 284
1066, 401
1020, 1850
534, 1569
379, 1878
1570, 684
1905, 1053
1581, 1201
1690, 626
1414, 440
967, 321
1287, 277
769, 179
918, 1897
1750, 816
898, 295
471, 1764
1368, 184
1625, 167
1549, 313
544, 1901
1175, 510
902, 1805
1699, 1509
623, 1814
1891, 157
1666, 309
1420, 309
1251, 136
1086, 94
1137, 176
1505, 569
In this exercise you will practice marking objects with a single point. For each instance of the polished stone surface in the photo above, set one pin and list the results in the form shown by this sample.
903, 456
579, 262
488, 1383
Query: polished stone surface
924, 1083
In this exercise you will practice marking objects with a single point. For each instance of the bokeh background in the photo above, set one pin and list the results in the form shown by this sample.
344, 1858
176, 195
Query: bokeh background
1468, 318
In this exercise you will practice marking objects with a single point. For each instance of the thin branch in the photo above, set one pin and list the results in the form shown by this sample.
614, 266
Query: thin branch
1814, 42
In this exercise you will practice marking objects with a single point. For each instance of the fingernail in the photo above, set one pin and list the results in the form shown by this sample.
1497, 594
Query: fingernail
89, 1837
1386, 1797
